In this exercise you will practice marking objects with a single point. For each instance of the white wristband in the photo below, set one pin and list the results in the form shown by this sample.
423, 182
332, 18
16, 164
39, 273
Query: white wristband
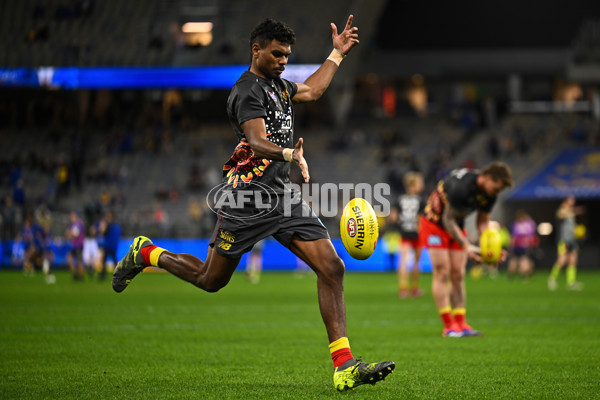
288, 155
336, 56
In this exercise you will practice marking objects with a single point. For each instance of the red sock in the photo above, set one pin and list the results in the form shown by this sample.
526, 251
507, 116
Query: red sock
460, 317
446, 317
340, 351
341, 356
146, 253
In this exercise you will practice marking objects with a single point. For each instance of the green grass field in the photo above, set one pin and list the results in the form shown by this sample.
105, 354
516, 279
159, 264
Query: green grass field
165, 339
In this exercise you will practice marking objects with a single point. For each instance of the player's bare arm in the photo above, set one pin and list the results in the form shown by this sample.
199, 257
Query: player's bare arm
562, 213
256, 133
452, 227
315, 85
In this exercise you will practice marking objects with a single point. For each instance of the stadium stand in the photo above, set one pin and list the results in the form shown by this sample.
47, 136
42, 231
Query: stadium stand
153, 164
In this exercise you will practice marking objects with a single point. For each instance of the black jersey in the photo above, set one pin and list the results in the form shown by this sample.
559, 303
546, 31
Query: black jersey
460, 190
410, 207
255, 97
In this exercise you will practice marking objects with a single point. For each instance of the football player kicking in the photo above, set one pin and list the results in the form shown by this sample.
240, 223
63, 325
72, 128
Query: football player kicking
261, 113
443, 233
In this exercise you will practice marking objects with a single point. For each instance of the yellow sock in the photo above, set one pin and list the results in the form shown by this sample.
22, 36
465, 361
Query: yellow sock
555, 271
154, 255
571, 274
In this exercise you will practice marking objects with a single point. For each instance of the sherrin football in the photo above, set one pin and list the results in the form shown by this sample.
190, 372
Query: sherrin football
490, 243
359, 229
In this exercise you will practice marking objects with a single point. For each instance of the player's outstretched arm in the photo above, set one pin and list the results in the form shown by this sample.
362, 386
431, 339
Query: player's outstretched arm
315, 85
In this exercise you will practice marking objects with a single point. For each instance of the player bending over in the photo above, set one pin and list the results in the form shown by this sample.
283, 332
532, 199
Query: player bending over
442, 230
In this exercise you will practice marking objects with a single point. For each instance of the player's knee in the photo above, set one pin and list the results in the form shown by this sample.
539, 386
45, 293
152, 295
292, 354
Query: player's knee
442, 278
441, 273
211, 284
334, 269
457, 277
340, 267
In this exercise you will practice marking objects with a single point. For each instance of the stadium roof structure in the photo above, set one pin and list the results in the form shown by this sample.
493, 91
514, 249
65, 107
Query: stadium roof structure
573, 172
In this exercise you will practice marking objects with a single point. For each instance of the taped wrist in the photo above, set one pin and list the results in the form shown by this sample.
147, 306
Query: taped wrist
336, 56
288, 155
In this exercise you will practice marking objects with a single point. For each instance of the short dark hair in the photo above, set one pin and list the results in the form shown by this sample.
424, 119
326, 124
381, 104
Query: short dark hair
271, 29
499, 171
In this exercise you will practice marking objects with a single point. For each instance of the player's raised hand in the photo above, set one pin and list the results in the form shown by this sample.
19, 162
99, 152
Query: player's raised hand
298, 158
347, 39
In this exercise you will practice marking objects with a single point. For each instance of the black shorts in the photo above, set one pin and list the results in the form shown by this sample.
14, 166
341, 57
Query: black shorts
76, 252
236, 232
567, 247
521, 251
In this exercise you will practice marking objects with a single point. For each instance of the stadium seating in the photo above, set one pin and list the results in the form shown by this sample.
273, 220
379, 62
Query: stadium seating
155, 169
